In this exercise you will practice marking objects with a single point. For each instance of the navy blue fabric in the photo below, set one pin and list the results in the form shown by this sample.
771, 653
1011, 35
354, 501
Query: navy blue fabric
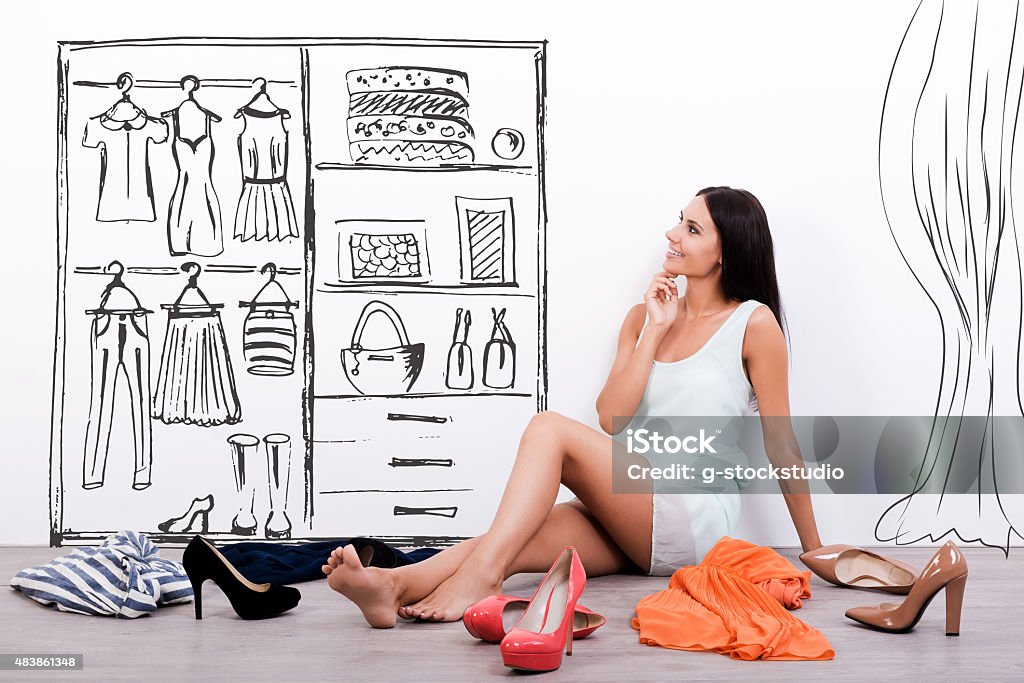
278, 563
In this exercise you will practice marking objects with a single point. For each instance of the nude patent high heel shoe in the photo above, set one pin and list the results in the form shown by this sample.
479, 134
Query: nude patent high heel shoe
491, 618
946, 570
850, 567
537, 641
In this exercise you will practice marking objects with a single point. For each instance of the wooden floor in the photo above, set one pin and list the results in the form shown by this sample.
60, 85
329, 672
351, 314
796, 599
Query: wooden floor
324, 638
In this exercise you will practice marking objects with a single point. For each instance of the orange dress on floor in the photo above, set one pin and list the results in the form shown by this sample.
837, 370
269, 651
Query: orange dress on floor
735, 603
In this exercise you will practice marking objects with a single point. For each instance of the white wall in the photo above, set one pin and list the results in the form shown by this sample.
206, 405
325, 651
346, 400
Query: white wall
648, 102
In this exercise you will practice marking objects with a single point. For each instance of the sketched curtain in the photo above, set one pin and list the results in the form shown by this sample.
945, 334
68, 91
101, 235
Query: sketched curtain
947, 146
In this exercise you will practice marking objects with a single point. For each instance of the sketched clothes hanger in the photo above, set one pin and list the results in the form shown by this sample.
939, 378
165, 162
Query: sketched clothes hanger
117, 298
261, 105
191, 296
190, 99
125, 114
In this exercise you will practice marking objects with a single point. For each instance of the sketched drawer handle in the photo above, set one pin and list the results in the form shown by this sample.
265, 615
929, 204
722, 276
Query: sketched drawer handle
421, 462
434, 511
407, 417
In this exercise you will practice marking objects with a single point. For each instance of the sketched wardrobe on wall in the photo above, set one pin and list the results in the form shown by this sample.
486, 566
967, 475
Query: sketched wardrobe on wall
382, 190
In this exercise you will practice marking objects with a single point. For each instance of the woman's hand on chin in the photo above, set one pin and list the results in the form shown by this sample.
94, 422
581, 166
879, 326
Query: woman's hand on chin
662, 299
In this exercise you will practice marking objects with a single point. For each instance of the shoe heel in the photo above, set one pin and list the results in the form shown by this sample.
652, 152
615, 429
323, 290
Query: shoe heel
197, 597
954, 604
200, 519
568, 642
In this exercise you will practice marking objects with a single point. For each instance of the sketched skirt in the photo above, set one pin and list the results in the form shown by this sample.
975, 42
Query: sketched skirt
196, 384
265, 211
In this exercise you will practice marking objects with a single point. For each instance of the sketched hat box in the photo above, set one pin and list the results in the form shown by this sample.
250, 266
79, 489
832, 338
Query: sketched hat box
389, 370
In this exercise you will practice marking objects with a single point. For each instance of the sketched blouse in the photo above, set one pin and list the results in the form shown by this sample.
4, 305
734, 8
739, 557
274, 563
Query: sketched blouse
125, 187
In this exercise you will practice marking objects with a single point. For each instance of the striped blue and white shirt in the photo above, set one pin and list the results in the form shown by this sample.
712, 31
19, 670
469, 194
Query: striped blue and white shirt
123, 577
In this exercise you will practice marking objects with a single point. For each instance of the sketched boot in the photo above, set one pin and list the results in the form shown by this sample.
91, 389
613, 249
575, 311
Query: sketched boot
243, 452
279, 451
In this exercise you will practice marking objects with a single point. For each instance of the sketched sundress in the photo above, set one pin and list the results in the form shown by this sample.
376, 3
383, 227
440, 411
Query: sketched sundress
265, 210
193, 220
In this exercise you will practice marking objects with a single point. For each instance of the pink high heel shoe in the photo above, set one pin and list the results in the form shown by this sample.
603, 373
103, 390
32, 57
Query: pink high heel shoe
537, 641
491, 618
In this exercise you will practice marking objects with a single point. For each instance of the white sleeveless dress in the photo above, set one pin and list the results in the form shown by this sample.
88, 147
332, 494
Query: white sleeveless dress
710, 382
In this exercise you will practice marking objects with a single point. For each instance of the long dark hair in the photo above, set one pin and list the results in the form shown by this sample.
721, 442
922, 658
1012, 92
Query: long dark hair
748, 257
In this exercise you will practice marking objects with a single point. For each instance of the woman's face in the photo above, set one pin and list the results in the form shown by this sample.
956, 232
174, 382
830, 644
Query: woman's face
693, 245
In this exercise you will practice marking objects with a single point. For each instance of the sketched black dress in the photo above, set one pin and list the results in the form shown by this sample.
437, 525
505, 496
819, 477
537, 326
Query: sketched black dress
193, 220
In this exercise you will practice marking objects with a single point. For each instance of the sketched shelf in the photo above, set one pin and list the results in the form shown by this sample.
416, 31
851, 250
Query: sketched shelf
91, 538
244, 83
161, 538
458, 490
176, 270
442, 394
442, 168
387, 287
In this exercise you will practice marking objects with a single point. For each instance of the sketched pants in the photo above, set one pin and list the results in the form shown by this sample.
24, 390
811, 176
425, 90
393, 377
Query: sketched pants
118, 342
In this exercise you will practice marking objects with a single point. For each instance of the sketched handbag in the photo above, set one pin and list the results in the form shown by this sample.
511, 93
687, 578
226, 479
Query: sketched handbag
499, 355
391, 370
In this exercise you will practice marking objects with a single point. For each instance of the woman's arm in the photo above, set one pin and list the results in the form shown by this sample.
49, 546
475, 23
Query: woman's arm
628, 377
768, 364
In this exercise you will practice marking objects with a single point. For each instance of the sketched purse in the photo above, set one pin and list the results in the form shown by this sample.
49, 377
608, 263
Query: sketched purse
390, 370
499, 355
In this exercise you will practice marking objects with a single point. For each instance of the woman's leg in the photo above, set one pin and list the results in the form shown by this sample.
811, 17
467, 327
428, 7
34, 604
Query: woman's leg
378, 592
571, 523
553, 449
417, 580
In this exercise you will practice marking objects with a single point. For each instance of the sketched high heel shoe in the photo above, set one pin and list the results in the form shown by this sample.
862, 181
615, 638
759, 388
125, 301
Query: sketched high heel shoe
491, 618
947, 569
537, 641
198, 513
249, 600
850, 567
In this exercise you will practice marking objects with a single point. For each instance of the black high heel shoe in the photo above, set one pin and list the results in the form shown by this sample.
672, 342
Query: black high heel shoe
250, 600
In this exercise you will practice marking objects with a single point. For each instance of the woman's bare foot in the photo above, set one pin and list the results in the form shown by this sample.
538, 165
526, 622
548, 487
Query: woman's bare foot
449, 600
372, 589
333, 560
